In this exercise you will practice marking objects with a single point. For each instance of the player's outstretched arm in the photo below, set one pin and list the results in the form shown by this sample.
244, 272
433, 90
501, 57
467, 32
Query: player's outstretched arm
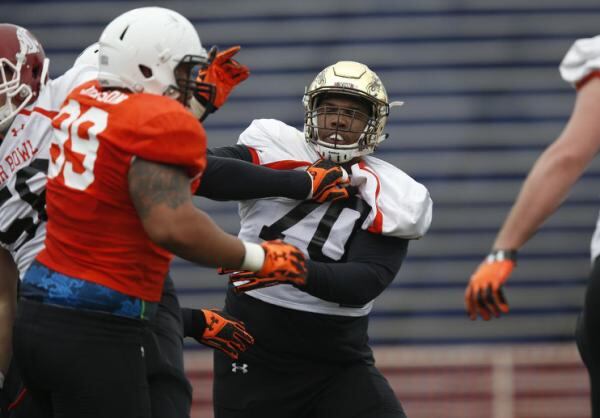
9, 277
162, 197
234, 177
546, 186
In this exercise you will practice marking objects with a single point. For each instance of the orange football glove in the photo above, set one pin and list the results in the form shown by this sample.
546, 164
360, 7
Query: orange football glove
329, 181
484, 295
284, 263
225, 333
224, 73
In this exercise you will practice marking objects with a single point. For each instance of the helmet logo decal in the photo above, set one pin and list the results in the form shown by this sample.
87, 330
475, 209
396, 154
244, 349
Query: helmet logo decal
320, 80
28, 44
374, 86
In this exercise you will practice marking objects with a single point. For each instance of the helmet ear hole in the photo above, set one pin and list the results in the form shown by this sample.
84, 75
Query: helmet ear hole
35, 71
146, 71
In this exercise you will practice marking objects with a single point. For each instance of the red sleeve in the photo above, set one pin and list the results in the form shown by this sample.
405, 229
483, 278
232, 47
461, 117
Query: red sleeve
254, 155
172, 138
159, 129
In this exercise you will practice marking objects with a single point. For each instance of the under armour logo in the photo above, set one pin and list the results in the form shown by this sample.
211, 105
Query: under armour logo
276, 255
213, 321
15, 131
243, 368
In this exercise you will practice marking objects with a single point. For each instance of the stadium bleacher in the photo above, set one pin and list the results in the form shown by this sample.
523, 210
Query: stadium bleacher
483, 97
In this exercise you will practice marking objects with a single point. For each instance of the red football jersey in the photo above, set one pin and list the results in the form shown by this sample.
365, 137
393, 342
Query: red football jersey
93, 230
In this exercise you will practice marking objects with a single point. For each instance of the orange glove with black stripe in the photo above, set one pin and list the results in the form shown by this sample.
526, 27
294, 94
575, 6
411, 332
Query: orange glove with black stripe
329, 181
284, 264
225, 333
484, 295
222, 72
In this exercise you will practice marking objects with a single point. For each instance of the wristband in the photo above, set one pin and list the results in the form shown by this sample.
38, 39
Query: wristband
254, 257
502, 255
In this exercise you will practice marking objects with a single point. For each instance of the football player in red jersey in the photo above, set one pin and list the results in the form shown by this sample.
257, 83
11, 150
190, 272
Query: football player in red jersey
545, 188
170, 391
25, 66
22, 226
128, 151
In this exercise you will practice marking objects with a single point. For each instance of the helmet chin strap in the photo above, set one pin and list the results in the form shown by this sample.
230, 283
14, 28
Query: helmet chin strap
5, 124
7, 114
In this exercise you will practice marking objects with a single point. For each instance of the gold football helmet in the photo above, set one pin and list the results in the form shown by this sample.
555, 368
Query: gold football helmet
347, 78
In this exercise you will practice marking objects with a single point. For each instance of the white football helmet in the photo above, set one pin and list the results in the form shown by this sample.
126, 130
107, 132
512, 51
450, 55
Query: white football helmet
143, 49
88, 56
356, 80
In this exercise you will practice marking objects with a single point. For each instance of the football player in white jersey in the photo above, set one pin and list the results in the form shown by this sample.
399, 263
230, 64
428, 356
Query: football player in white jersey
546, 186
27, 103
311, 356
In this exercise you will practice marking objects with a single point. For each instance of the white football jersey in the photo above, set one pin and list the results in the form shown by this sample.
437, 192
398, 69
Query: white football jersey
583, 59
24, 154
388, 202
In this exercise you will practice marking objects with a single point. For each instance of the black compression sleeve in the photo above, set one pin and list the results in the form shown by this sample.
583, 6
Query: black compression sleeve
234, 179
372, 263
194, 322
239, 152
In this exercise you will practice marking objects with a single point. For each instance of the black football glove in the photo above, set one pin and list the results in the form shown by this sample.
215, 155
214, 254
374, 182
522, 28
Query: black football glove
225, 333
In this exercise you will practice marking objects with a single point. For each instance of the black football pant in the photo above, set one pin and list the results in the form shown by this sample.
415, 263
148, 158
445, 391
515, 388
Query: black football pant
78, 363
302, 365
170, 391
588, 335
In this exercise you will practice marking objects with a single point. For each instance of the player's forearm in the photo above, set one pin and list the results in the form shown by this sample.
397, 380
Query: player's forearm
238, 152
8, 302
7, 317
348, 284
545, 188
192, 235
233, 179
161, 196
372, 263
556, 171
194, 322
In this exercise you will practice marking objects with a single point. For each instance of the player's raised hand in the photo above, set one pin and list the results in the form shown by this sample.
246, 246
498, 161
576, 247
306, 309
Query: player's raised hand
225, 333
284, 264
484, 295
224, 73
329, 181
